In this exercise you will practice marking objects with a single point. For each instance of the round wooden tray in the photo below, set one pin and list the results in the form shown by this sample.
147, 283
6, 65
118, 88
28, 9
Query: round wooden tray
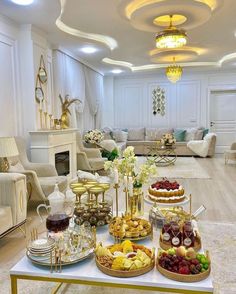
125, 274
183, 278
197, 243
150, 235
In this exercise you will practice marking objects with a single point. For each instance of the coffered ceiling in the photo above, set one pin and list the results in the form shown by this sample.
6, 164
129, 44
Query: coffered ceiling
123, 31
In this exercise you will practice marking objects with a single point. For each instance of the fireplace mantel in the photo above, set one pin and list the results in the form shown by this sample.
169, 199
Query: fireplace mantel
46, 143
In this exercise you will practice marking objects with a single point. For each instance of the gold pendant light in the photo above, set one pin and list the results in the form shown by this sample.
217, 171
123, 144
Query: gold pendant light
171, 37
174, 72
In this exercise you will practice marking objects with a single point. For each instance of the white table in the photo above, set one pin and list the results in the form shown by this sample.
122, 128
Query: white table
87, 273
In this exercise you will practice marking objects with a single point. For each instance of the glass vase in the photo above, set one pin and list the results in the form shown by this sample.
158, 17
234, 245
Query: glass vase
136, 202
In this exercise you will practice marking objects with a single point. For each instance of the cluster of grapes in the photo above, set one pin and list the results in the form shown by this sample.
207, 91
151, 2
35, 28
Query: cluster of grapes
181, 265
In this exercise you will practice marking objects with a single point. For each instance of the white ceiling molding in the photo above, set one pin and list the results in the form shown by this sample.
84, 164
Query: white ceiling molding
180, 55
196, 13
227, 57
106, 40
130, 6
117, 62
157, 66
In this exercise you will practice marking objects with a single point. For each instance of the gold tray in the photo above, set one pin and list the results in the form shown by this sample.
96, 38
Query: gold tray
63, 263
125, 274
184, 278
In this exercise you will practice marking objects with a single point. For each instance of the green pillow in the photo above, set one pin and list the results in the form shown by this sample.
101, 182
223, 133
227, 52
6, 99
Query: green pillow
205, 131
179, 135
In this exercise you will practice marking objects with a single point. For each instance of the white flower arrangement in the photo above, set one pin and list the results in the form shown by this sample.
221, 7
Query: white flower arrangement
168, 139
94, 136
127, 166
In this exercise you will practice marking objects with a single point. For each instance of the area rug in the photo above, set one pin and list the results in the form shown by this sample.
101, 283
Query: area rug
184, 168
218, 238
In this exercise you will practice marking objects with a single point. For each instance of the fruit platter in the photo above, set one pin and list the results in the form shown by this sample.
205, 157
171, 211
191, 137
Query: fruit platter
183, 265
125, 260
128, 227
175, 234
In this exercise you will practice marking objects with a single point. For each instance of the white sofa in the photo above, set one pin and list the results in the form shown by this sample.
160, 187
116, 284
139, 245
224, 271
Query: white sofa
13, 202
141, 138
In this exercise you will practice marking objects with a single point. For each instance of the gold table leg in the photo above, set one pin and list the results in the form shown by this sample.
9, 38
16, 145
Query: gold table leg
56, 288
13, 285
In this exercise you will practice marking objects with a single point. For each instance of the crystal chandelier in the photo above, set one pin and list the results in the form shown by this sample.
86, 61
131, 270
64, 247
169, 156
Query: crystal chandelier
174, 72
171, 37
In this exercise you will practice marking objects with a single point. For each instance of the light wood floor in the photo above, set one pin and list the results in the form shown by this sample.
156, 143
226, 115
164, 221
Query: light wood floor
218, 194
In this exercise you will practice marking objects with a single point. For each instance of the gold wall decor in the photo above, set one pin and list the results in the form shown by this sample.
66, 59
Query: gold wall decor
65, 104
158, 101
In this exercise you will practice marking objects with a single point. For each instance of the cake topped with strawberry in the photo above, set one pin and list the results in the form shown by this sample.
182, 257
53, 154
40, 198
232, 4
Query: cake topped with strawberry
165, 191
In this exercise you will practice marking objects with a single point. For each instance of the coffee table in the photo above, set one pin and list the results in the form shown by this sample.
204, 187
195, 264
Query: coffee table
162, 155
87, 273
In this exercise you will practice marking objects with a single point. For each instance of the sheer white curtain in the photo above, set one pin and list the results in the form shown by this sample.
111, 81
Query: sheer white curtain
69, 80
78, 81
94, 94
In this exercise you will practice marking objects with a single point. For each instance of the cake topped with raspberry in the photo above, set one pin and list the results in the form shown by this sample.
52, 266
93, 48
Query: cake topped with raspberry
165, 191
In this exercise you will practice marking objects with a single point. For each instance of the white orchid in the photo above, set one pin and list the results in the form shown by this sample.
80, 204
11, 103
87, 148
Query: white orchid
127, 166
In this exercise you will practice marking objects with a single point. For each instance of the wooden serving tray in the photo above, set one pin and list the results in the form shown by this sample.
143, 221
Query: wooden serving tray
166, 246
125, 274
184, 278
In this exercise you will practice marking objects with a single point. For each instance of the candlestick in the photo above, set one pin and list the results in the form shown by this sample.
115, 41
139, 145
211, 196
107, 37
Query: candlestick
41, 118
130, 185
45, 120
50, 121
190, 204
126, 181
116, 176
116, 187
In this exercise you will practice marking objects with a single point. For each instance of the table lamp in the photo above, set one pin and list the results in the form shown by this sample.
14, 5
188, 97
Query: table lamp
8, 148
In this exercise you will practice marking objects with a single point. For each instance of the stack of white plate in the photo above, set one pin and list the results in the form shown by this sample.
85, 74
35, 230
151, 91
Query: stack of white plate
41, 248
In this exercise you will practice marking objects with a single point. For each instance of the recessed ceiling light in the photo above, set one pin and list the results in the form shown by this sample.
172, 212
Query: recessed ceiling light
22, 2
88, 50
117, 71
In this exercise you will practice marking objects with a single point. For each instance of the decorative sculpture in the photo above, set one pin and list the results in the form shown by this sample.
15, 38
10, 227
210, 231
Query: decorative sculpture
65, 104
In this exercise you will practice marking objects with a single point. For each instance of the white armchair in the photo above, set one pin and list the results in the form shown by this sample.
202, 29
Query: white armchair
41, 177
13, 202
88, 159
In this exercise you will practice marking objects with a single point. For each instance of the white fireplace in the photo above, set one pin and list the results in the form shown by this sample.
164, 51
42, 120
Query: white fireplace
46, 144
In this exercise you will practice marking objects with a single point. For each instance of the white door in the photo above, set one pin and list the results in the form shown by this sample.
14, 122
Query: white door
223, 118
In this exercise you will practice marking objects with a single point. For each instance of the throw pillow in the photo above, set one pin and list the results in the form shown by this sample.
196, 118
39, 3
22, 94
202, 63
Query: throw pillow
205, 132
18, 167
120, 136
190, 134
136, 134
198, 135
179, 135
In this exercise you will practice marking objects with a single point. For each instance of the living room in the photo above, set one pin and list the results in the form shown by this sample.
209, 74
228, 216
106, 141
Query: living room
106, 101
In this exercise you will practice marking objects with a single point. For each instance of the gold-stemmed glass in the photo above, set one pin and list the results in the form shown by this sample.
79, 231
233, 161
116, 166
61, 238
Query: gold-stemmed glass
106, 187
79, 191
75, 185
96, 190
88, 186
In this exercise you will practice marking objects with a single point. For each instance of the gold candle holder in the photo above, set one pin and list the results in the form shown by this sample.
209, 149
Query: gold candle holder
45, 119
116, 187
41, 118
126, 199
190, 204
50, 121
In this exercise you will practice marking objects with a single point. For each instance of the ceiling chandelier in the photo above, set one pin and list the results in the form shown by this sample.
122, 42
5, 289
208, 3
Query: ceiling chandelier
171, 37
174, 72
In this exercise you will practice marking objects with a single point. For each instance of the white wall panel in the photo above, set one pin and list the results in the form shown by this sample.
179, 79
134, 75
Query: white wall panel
8, 87
188, 104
